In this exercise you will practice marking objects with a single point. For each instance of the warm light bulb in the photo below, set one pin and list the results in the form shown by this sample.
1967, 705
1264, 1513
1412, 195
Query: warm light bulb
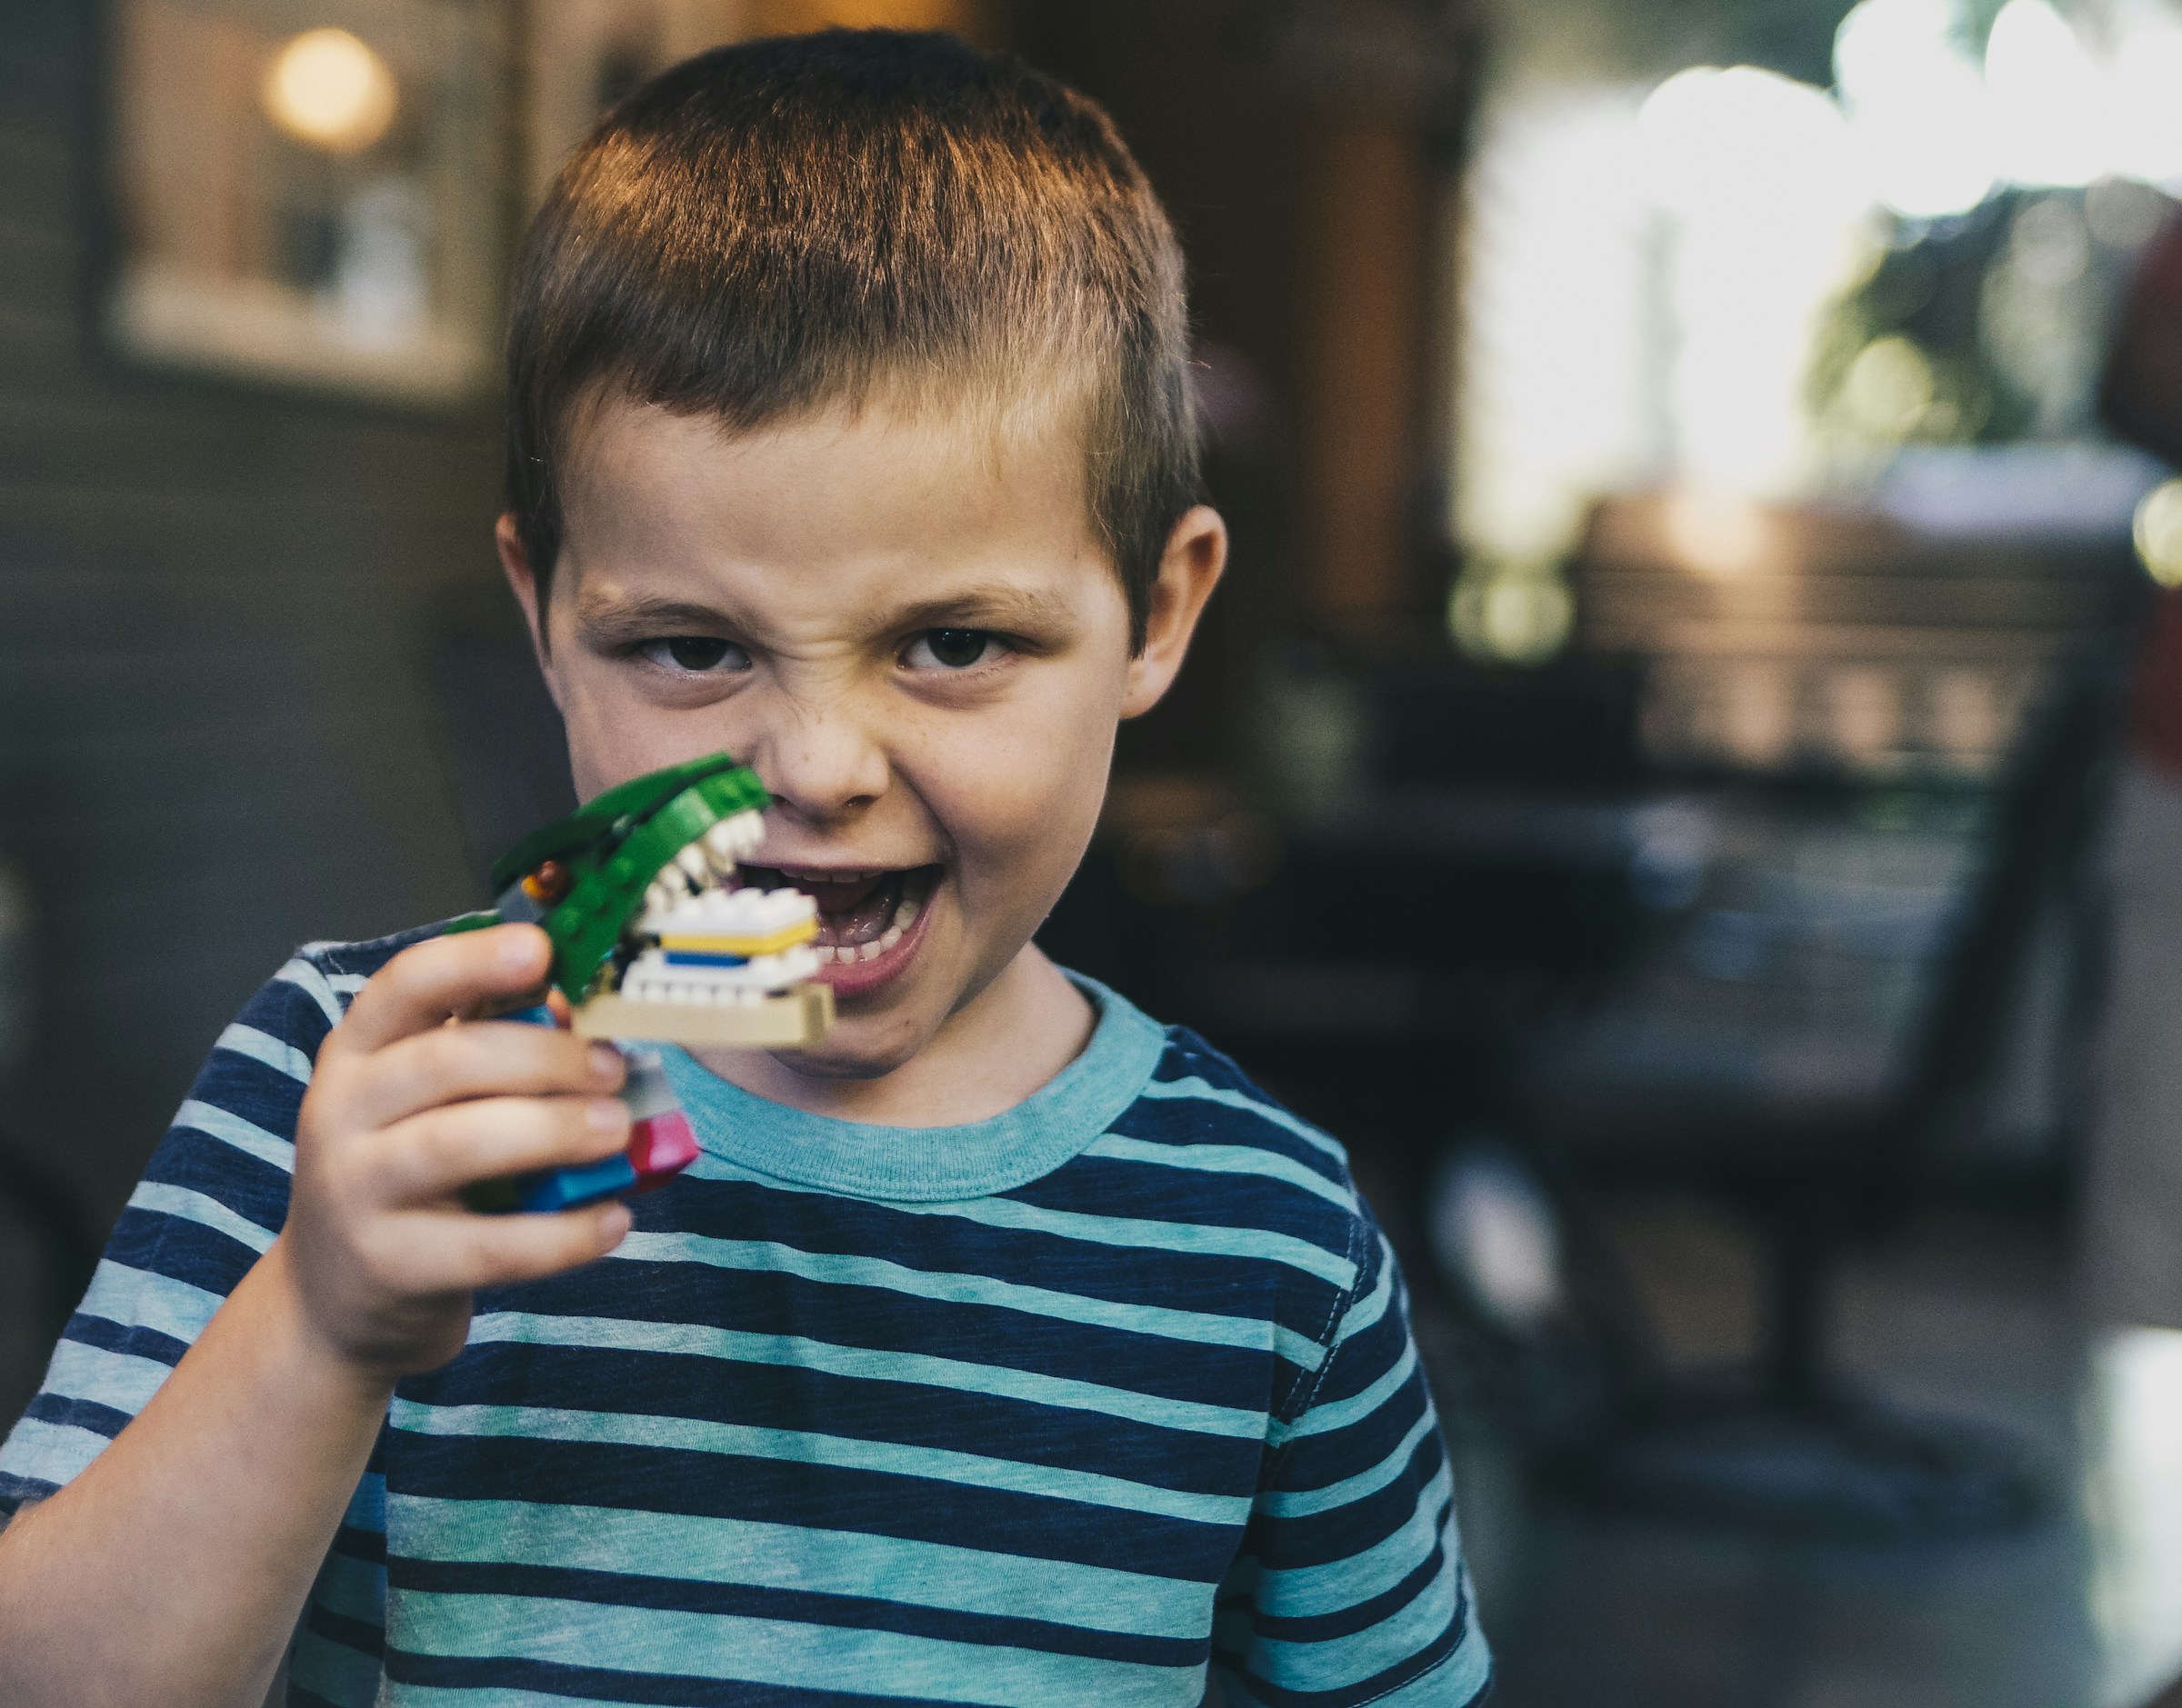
328, 89
1718, 533
2159, 533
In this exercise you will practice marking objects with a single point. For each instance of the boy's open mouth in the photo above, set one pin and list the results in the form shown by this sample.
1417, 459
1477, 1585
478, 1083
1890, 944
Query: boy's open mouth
869, 922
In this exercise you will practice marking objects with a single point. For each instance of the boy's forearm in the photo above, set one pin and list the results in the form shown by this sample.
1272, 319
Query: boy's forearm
174, 1568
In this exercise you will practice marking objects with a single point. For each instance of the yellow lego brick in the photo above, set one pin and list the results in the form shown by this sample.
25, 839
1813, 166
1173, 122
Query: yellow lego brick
787, 937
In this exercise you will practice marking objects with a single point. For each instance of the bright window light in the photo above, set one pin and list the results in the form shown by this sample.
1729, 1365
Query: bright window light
2049, 98
1767, 203
1557, 306
2146, 73
1916, 105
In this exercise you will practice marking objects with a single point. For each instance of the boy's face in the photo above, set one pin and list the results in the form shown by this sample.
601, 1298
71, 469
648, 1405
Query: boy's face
908, 631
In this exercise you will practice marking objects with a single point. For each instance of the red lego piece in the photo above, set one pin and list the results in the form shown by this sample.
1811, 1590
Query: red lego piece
660, 1147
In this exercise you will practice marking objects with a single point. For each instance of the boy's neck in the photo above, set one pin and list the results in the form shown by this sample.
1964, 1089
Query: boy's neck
990, 1055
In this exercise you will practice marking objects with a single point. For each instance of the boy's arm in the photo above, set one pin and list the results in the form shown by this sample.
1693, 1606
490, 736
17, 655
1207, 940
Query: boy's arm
172, 1569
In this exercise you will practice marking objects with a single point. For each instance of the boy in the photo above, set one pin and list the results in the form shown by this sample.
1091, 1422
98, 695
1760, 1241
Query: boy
1005, 1348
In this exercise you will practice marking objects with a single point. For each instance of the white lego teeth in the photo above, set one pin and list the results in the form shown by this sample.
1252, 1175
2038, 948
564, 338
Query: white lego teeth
740, 835
651, 977
693, 863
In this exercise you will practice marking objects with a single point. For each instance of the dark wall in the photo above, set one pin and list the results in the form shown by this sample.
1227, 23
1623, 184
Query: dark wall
216, 606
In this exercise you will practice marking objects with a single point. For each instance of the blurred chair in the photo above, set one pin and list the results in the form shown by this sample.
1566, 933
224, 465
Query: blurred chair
1813, 1159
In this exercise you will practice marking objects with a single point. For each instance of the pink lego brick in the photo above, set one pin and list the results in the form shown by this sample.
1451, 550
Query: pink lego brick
660, 1147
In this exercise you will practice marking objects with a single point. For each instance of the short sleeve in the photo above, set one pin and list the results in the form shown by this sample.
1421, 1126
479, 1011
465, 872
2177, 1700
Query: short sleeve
1350, 1586
212, 1198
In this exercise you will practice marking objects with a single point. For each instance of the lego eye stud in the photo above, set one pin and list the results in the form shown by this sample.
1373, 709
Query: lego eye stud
654, 942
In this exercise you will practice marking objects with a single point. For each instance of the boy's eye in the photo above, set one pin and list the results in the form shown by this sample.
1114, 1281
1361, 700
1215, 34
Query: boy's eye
696, 652
951, 649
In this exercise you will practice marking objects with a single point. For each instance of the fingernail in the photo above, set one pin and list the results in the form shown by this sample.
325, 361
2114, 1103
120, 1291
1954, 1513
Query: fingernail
613, 1222
606, 1064
607, 1114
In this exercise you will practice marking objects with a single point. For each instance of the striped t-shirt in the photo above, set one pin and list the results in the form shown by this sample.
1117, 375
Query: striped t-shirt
1081, 1406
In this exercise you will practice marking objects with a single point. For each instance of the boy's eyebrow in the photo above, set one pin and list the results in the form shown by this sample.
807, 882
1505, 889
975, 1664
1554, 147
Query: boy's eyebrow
633, 619
988, 607
994, 606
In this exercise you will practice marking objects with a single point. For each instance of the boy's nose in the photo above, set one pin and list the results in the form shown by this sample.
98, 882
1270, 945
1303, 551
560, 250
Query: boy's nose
819, 762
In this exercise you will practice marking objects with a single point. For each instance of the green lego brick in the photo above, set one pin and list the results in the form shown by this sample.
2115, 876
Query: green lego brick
612, 848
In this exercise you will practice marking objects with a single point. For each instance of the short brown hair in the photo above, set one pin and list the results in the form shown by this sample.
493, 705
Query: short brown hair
781, 224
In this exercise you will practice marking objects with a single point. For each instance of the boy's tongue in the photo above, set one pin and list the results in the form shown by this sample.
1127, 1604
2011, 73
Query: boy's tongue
858, 912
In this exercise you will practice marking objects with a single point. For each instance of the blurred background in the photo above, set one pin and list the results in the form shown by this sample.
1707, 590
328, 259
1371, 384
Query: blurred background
1700, 479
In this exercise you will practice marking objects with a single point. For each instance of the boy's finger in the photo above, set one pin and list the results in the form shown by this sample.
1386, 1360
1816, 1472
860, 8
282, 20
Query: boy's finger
425, 984
445, 1065
455, 1252
433, 1156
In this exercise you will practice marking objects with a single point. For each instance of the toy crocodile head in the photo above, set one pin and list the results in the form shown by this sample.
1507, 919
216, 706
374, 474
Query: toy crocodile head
654, 860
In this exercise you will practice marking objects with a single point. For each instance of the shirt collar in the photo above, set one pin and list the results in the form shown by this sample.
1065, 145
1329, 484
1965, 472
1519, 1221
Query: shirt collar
931, 1164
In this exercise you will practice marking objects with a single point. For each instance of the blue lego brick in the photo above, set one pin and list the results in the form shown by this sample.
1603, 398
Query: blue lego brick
565, 1188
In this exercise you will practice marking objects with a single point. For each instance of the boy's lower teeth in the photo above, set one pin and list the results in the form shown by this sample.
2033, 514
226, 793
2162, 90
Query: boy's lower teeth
870, 949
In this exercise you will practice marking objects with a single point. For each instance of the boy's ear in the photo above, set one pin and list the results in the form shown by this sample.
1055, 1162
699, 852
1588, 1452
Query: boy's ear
515, 564
1189, 569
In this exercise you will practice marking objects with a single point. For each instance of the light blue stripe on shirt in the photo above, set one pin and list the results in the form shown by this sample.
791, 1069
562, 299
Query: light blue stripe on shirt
162, 1199
1323, 1420
1306, 1592
1306, 1502
731, 1647
141, 1298
865, 1363
797, 1557
314, 982
122, 1381
261, 1046
49, 1452
1343, 1663
1194, 1088
958, 1288
1221, 1159
1093, 1229
214, 1122
633, 1429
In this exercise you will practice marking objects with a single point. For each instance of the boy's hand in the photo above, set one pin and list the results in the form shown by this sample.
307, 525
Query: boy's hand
403, 1112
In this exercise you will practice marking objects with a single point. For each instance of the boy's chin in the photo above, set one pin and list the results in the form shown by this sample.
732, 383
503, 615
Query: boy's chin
875, 1033
858, 1047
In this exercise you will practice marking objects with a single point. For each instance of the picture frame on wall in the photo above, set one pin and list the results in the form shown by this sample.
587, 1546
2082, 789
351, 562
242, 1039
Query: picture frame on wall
581, 57
310, 193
